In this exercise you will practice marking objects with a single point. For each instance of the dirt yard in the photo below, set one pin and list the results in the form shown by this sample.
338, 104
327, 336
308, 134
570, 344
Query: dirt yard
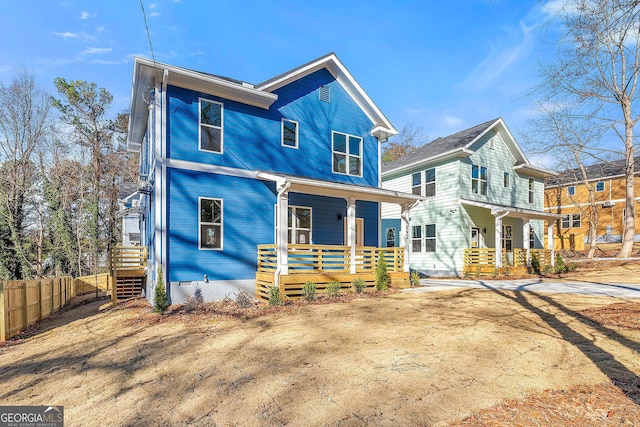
463, 357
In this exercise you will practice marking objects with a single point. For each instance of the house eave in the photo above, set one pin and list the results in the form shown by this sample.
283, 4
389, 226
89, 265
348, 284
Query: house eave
458, 153
511, 211
534, 171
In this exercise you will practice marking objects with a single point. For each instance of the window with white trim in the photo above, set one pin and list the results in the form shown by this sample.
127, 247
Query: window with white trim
571, 221
531, 190
532, 238
430, 182
479, 179
299, 225
416, 238
347, 153
391, 237
211, 122
430, 238
600, 186
210, 223
289, 133
571, 190
416, 183
505, 180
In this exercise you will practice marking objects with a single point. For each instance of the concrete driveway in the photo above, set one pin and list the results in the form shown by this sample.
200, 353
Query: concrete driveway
533, 285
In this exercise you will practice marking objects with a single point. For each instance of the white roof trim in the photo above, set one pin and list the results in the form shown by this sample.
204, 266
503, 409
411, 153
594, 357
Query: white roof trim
511, 211
535, 171
382, 128
461, 152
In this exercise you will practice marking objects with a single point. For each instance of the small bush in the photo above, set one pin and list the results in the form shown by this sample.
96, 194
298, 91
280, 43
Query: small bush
359, 285
244, 300
333, 289
535, 263
414, 278
194, 301
160, 297
382, 278
309, 291
560, 267
571, 267
274, 296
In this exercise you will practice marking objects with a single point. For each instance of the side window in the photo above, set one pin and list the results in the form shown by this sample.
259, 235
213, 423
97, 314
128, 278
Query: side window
347, 154
289, 133
600, 186
211, 126
565, 221
430, 182
479, 180
531, 190
571, 190
416, 238
430, 238
416, 183
505, 180
210, 224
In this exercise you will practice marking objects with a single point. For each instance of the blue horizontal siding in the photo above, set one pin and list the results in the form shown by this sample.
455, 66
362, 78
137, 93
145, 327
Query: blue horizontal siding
248, 221
252, 136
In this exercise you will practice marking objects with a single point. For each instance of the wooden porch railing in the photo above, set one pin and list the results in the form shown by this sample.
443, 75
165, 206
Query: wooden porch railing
125, 258
128, 271
487, 257
334, 258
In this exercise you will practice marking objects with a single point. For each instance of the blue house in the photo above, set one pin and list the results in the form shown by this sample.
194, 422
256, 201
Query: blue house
225, 164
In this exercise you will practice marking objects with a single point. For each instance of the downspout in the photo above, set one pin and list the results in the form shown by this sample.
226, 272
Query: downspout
283, 188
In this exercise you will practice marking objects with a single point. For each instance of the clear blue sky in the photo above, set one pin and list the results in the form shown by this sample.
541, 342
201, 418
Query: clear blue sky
444, 65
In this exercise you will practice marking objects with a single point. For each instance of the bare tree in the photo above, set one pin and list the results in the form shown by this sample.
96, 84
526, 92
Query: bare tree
24, 113
597, 71
407, 140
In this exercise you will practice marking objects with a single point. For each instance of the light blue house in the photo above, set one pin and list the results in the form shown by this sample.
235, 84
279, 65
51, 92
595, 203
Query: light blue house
223, 163
483, 209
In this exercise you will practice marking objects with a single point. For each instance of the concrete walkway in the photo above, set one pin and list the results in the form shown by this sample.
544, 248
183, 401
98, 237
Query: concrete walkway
533, 285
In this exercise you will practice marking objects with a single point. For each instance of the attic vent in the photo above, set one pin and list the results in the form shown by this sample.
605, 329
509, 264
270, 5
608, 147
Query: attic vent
325, 95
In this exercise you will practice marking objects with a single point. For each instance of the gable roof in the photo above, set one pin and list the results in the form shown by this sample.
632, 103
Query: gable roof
594, 172
458, 145
148, 74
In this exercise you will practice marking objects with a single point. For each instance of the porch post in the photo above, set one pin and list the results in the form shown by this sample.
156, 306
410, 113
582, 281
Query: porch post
404, 234
282, 244
526, 243
498, 241
351, 232
550, 243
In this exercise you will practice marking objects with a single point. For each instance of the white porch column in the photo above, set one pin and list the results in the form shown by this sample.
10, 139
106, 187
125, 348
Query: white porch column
351, 232
526, 243
498, 241
550, 244
282, 244
404, 235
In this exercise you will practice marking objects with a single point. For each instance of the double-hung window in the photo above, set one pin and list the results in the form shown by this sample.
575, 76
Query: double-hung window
430, 238
416, 183
430, 182
299, 225
347, 153
211, 121
479, 179
571, 221
289, 133
531, 189
416, 238
600, 186
210, 223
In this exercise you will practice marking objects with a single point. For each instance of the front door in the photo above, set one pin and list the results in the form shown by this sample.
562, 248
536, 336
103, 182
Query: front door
359, 231
475, 237
507, 243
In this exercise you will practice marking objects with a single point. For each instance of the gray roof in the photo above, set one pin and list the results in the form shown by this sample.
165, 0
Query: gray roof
126, 189
440, 145
597, 171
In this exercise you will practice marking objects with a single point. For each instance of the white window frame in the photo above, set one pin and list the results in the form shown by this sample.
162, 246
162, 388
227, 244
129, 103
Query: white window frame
416, 239
347, 155
427, 238
201, 223
603, 186
571, 190
428, 183
480, 188
532, 190
294, 228
282, 134
506, 180
573, 220
200, 124
565, 222
390, 231
507, 237
417, 186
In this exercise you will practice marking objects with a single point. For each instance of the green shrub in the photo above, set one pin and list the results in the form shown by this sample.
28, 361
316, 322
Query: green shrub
414, 278
359, 285
160, 297
333, 289
535, 263
382, 278
309, 291
571, 267
560, 267
274, 296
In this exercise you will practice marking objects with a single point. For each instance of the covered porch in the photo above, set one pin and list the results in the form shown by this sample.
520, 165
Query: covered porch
504, 257
288, 263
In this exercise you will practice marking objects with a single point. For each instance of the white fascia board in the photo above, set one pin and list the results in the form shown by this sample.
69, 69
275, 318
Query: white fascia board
511, 211
534, 171
514, 143
382, 126
143, 81
457, 153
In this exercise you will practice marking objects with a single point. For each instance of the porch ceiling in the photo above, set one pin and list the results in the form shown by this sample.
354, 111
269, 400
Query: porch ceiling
346, 191
512, 211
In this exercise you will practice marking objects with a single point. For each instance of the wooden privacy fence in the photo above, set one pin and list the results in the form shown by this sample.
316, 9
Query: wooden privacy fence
24, 302
482, 261
88, 284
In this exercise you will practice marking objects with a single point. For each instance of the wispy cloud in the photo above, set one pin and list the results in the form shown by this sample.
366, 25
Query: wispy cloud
87, 15
96, 50
152, 14
81, 36
66, 35
107, 62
